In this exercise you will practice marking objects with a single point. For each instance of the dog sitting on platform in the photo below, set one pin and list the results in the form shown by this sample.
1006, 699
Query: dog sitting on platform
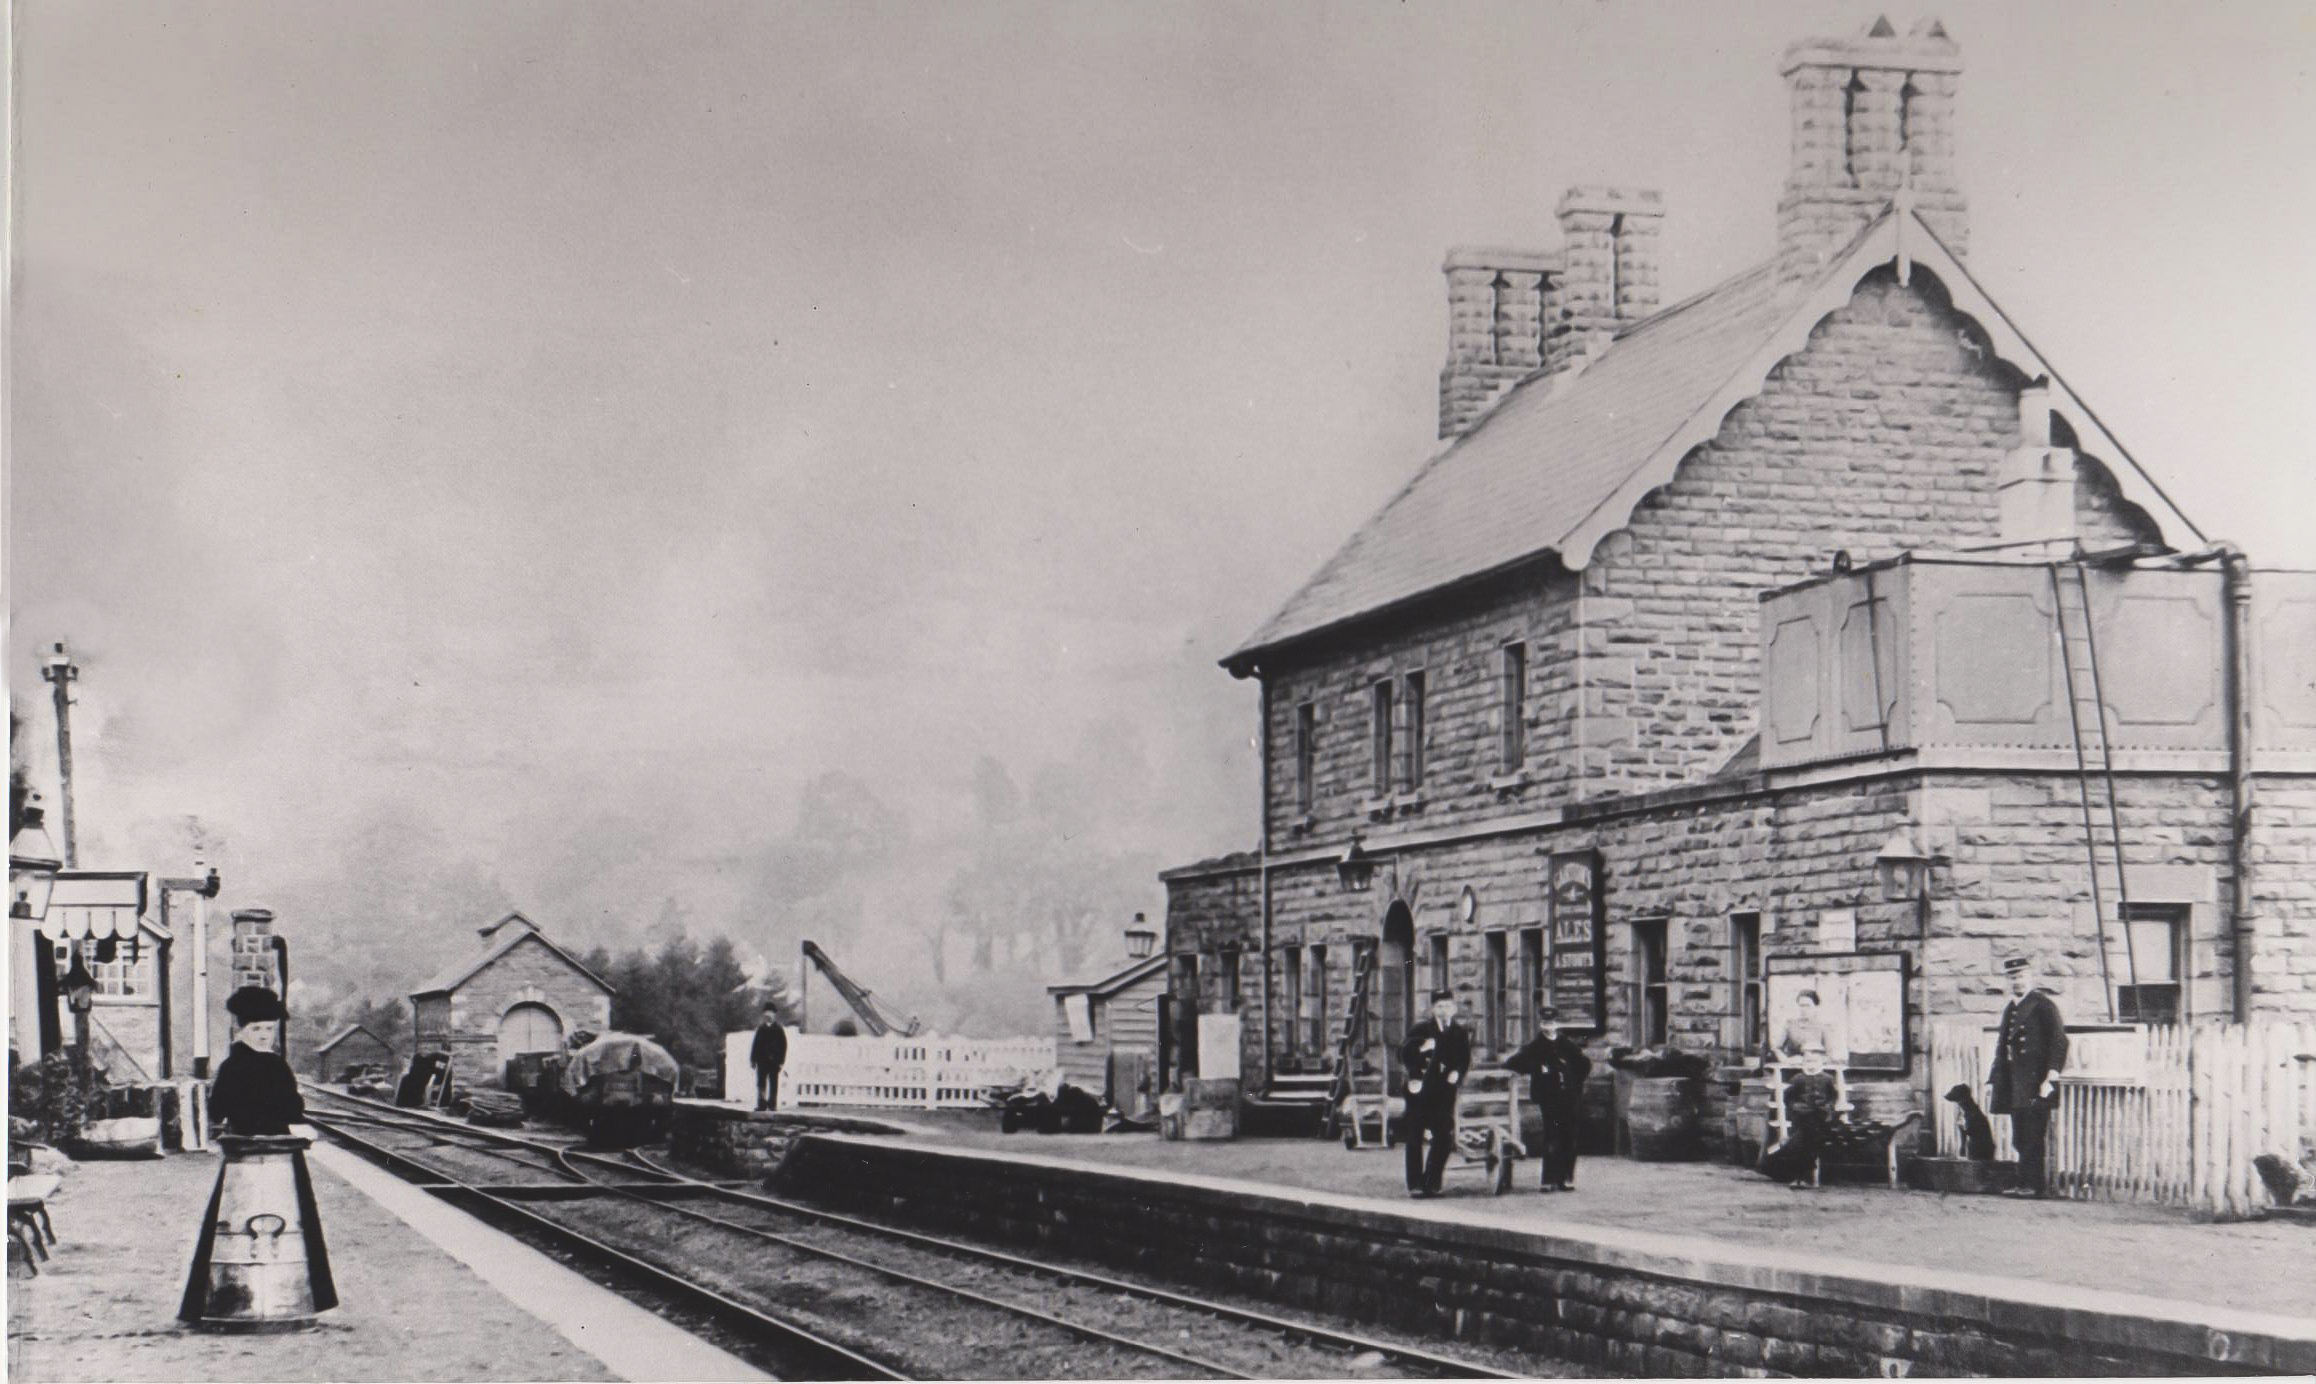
1977, 1130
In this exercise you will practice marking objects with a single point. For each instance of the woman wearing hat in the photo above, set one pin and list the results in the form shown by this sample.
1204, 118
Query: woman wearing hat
255, 1099
1556, 1067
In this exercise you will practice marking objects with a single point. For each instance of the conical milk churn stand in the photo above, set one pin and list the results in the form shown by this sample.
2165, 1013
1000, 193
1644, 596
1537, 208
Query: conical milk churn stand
260, 1265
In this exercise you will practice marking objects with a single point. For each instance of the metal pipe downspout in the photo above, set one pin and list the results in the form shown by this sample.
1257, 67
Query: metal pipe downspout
2236, 569
1263, 867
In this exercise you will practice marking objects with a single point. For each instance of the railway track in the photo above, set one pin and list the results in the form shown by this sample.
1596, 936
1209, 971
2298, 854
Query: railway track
897, 1303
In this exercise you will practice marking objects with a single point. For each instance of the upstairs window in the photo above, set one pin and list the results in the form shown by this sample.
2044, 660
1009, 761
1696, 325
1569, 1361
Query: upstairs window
1410, 769
1382, 725
2158, 955
1512, 708
1230, 991
1306, 756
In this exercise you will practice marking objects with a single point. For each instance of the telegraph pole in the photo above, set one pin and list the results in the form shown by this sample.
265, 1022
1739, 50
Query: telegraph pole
58, 671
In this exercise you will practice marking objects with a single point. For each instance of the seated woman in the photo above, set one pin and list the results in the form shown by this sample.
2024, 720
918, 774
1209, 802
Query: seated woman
1810, 1102
1805, 1030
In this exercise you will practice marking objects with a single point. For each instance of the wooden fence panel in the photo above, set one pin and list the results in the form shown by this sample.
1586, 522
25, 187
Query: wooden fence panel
2167, 1114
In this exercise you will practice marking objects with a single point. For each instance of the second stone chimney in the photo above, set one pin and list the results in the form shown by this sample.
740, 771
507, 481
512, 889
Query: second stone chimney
1512, 313
1872, 115
1608, 271
1495, 328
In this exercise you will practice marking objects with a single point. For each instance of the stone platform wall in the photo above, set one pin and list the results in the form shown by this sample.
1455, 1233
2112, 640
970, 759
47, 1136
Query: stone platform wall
1628, 1302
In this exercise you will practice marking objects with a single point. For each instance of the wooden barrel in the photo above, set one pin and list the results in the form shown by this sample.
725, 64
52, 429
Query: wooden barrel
1662, 1116
1752, 1131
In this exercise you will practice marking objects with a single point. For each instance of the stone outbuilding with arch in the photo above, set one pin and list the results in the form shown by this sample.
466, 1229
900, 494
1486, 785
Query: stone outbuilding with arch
521, 993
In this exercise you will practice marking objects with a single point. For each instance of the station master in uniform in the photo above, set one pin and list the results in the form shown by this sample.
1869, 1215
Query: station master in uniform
1435, 1057
2029, 1053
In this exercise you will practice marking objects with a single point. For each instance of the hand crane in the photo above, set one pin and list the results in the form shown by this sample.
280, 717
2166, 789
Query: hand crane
862, 1004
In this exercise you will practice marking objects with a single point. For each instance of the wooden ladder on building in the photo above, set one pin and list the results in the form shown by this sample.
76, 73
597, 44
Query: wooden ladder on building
1350, 1038
2094, 763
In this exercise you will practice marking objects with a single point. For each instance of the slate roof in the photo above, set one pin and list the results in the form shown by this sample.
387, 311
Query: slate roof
1111, 984
349, 1031
507, 940
1548, 455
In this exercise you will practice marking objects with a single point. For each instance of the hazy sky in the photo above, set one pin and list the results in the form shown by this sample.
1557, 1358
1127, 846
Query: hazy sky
522, 443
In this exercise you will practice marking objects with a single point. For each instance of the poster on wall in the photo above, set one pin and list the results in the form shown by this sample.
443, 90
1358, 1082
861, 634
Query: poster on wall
1859, 1011
1578, 979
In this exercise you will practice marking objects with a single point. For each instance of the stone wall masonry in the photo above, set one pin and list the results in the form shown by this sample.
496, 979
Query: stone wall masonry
751, 1144
2013, 873
1459, 653
1627, 1302
2282, 867
1883, 435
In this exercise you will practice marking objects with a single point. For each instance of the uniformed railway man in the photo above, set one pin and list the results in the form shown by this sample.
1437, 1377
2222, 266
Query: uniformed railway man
2029, 1053
1435, 1057
1556, 1067
767, 1054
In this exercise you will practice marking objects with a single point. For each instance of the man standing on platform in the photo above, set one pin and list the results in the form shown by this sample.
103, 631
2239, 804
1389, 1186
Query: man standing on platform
766, 1055
1435, 1057
1556, 1067
2029, 1053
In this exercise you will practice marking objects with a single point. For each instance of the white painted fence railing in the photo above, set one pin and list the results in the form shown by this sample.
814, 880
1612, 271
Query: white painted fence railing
924, 1073
2168, 1113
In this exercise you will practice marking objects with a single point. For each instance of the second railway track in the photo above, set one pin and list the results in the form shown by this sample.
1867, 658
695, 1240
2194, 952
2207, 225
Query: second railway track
844, 1297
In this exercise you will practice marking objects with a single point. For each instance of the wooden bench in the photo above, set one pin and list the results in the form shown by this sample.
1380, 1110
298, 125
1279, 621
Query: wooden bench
28, 1223
1848, 1139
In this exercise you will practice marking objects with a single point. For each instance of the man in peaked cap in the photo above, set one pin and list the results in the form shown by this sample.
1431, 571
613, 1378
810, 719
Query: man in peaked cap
1556, 1067
2029, 1053
1435, 1057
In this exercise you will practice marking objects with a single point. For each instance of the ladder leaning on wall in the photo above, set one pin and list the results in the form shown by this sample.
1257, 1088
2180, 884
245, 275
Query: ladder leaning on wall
1350, 1038
2094, 764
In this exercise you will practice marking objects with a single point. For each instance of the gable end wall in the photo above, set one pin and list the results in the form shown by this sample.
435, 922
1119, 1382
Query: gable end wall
1884, 434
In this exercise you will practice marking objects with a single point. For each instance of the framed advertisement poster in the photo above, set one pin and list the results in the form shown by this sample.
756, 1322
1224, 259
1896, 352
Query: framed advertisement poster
1577, 980
1856, 1007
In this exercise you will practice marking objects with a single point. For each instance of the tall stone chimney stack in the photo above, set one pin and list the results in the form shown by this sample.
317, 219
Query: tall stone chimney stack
1495, 328
1609, 268
1872, 115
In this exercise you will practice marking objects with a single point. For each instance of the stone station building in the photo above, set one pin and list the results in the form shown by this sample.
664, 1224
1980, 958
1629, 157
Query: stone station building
520, 994
1703, 610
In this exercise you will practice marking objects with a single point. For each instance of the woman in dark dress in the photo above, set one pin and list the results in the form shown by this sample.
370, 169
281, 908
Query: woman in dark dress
255, 1095
1556, 1067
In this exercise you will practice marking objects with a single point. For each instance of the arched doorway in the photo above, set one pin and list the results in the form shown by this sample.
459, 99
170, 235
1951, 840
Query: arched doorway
1395, 976
528, 1027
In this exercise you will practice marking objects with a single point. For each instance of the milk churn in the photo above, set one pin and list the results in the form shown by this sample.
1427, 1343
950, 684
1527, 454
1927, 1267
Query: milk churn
260, 1265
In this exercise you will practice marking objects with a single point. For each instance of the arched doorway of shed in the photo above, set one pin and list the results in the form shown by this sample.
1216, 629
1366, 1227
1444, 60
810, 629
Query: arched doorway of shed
1395, 975
528, 1027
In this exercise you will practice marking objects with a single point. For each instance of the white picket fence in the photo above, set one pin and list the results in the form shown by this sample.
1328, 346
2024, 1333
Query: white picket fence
2172, 1114
923, 1073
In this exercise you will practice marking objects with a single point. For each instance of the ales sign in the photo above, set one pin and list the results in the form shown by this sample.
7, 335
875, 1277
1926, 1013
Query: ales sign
1579, 983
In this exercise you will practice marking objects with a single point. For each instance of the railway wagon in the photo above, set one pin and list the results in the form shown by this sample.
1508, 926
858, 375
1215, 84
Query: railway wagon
620, 1088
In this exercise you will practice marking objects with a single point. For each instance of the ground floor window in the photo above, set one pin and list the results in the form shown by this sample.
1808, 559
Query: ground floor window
1494, 999
1651, 1007
1230, 990
127, 975
1745, 978
2156, 954
1531, 981
1291, 970
1439, 971
1315, 1002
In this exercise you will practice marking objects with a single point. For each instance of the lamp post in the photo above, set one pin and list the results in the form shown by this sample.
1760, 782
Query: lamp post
1141, 939
79, 995
59, 671
32, 866
1902, 869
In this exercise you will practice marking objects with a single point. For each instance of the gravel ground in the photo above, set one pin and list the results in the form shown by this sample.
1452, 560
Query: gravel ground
2260, 1266
105, 1307
918, 1331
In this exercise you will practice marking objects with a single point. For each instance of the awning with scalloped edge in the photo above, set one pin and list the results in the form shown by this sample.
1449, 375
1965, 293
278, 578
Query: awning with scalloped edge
98, 903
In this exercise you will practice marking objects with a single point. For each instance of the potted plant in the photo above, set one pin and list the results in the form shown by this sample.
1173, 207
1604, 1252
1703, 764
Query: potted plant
1660, 1102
